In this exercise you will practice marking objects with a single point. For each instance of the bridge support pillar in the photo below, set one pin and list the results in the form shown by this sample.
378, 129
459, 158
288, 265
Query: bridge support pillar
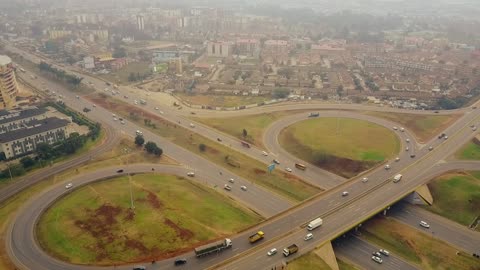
421, 196
328, 256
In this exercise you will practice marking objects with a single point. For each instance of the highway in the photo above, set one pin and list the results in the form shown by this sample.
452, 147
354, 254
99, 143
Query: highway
451, 232
360, 252
340, 213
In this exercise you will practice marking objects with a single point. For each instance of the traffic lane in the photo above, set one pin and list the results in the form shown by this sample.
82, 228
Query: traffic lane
441, 228
360, 252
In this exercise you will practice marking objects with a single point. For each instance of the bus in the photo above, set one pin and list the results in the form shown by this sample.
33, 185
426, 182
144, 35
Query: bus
245, 144
300, 166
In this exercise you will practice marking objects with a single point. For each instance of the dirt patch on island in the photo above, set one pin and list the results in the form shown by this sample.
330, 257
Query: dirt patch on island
182, 233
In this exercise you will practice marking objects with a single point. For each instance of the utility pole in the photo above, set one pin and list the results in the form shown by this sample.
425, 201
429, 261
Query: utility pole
132, 206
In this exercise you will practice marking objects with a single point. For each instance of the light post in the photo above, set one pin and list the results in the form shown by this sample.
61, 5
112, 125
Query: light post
132, 206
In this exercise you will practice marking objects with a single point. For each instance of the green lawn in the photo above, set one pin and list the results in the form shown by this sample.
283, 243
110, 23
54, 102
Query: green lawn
470, 151
255, 125
121, 76
456, 196
308, 261
95, 225
278, 181
221, 101
416, 246
342, 141
424, 127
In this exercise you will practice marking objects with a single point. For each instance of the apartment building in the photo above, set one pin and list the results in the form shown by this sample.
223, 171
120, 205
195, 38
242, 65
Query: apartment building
8, 83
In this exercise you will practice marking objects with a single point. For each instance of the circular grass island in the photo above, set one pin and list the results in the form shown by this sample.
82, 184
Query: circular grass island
95, 225
343, 146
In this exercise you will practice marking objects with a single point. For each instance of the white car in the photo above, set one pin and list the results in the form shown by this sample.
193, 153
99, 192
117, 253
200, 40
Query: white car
385, 252
231, 180
161, 112
192, 125
69, 185
288, 169
446, 137
406, 148
395, 128
377, 259
402, 129
308, 237
424, 224
191, 174
387, 167
156, 108
430, 148
244, 188
407, 140
364, 179
397, 159
345, 193
272, 252
77, 97
264, 153
122, 122
227, 187
114, 118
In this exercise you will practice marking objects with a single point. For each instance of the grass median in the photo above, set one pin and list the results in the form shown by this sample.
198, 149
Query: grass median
278, 181
470, 151
95, 225
416, 246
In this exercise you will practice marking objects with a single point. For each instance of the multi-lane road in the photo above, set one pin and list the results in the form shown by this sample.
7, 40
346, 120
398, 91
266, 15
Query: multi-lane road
340, 213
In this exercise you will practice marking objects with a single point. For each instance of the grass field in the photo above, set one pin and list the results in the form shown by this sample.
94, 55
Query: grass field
470, 151
336, 144
308, 261
424, 127
456, 196
172, 214
254, 124
415, 246
278, 181
221, 101
345, 265
110, 158
121, 76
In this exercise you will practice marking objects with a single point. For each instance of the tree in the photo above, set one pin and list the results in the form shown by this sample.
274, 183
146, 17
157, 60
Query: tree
158, 151
244, 133
44, 151
27, 162
340, 90
281, 92
202, 147
119, 52
139, 140
150, 147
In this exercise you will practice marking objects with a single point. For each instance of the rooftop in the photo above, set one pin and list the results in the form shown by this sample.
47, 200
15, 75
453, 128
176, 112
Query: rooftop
46, 125
5, 60
10, 116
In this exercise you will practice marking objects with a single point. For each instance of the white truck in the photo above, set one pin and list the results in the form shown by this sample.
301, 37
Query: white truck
314, 224
397, 178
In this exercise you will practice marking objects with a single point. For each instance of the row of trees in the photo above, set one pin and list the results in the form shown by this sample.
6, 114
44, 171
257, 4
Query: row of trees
150, 147
60, 74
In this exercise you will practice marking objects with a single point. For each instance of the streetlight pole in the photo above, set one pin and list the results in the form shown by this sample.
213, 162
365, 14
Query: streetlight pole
132, 206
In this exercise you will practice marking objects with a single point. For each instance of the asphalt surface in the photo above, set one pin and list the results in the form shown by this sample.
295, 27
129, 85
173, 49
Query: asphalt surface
441, 228
339, 213
360, 252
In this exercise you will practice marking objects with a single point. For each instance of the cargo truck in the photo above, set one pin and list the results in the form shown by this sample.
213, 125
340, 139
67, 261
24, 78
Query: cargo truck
397, 178
292, 249
256, 237
314, 224
213, 247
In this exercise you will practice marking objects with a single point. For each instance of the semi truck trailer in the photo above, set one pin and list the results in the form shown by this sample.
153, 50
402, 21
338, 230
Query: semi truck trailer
213, 247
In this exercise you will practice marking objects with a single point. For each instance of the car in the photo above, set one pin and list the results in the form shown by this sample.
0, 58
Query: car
424, 224
180, 261
139, 267
385, 252
69, 185
77, 97
435, 111
402, 129
125, 97
192, 125
264, 153
193, 113
430, 148
191, 174
406, 148
114, 115
395, 128
288, 169
387, 167
474, 128
445, 137
345, 193
135, 102
227, 187
412, 155
114, 118
442, 135
244, 188
218, 139
160, 112
120, 171
122, 122
156, 108
364, 179
272, 252
397, 159
308, 237
377, 259
276, 162
407, 140
231, 180
377, 254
